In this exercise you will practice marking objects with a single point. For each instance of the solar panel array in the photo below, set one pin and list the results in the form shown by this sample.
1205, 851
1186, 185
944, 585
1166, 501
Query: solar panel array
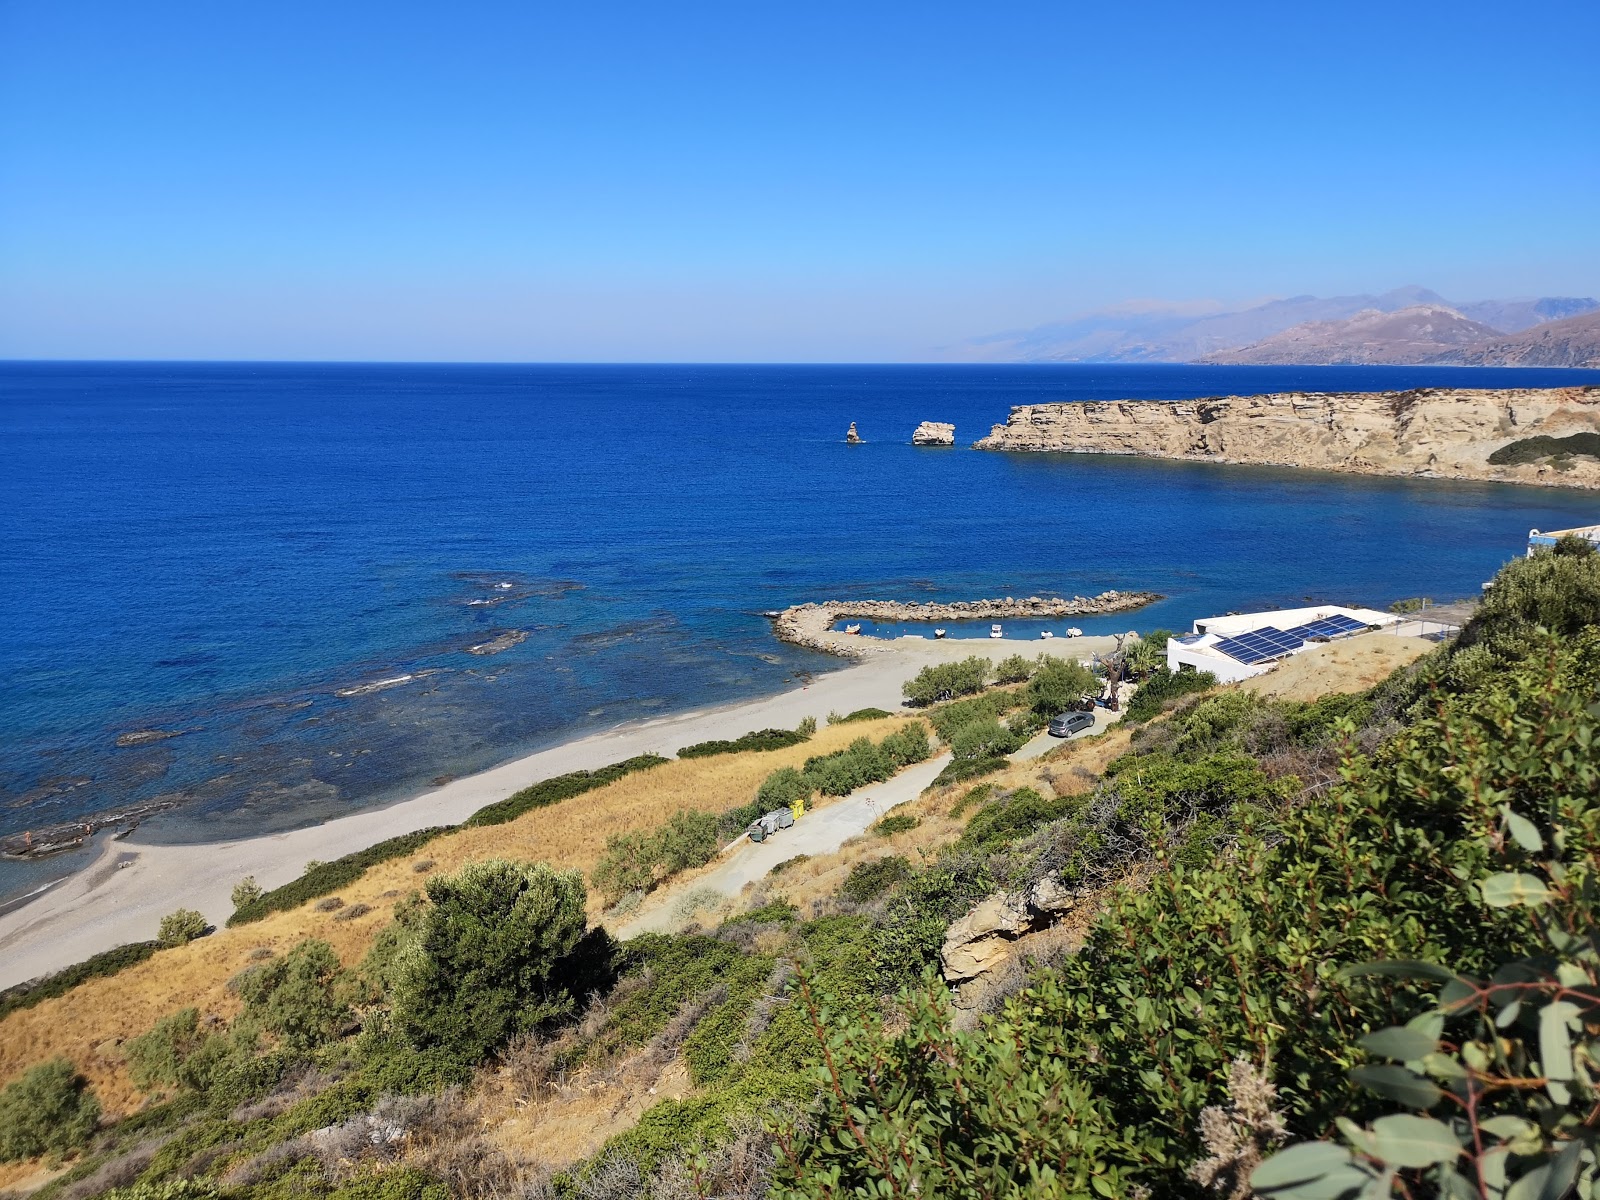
1329, 627
1269, 642
1259, 645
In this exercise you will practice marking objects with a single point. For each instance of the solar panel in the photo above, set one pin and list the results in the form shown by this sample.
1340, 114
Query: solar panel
1337, 625
1259, 645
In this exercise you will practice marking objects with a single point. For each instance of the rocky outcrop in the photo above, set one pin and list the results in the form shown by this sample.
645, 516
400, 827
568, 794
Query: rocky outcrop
934, 433
812, 624
852, 436
1444, 433
981, 940
1574, 342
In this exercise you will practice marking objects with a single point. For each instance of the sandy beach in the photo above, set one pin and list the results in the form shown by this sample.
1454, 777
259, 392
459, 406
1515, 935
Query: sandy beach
123, 895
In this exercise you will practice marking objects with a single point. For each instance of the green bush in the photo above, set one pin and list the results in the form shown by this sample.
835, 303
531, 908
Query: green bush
759, 739
1059, 685
949, 718
1532, 449
323, 879
1164, 685
861, 714
490, 957
562, 787
944, 681
844, 771
982, 740
180, 927
784, 788
772, 912
170, 1189
1147, 655
109, 962
302, 998
1010, 816
1015, 669
869, 880
959, 770
908, 745
49, 1110
895, 823
638, 860
627, 865
155, 1059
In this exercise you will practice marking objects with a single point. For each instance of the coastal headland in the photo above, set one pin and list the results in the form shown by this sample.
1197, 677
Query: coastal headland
1545, 436
811, 625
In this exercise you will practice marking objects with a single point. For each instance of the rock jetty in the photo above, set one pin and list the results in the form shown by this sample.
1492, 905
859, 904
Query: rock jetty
1443, 433
852, 436
934, 433
811, 625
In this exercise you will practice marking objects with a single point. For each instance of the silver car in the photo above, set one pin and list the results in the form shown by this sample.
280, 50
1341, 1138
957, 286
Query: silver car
1070, 723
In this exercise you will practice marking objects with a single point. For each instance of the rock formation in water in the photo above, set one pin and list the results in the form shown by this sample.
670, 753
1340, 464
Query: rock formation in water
934, 433
852, 436
1444, 433
812, 624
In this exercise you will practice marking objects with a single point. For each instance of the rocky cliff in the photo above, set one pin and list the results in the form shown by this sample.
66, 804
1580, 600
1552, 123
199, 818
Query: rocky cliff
1445, 433
934, 433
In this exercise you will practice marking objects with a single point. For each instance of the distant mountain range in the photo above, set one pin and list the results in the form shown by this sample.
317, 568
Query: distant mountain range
1407, 325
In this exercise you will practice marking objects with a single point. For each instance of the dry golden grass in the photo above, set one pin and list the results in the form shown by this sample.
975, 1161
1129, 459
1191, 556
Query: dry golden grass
89, 1024
1352, 665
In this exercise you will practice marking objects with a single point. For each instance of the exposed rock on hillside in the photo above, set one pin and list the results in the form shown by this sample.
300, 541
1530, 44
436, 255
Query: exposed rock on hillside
1574, 342
1416, 334
1446, 433
934, 433
981, 940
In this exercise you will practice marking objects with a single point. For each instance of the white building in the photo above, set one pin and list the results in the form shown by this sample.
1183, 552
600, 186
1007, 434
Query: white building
1241, 645
1543, 541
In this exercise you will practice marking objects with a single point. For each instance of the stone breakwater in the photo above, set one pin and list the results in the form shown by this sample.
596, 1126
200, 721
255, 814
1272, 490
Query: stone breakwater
811, 625
1441, 433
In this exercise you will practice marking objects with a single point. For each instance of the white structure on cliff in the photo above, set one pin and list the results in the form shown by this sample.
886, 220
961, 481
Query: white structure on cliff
1245, 644
1543, 541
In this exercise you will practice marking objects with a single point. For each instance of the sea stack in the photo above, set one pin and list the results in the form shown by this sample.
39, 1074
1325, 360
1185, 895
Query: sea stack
934, 433
852, 436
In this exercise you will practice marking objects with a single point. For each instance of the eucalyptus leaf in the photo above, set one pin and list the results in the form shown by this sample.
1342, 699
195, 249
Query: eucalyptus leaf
1400, 968
1400, 1043
1403, 1140
1523, 831
1507, 1126
1398, 1084
1555, 1043
1298, 1163
1510, 888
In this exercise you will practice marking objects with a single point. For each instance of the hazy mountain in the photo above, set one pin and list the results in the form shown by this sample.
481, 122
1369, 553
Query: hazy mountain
1574, 342
1420, 333
1157, 331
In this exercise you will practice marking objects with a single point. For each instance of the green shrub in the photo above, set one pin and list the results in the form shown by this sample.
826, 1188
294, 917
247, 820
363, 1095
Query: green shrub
807, 727
959, 770
1015, 669
689, 839
973, 796
49, 1110
784, 788
844, 771
109, 962
869, 880
944, 681
772, 911
155, 1059
895, 823
169, 1189
759, 739
908, 745
1010, 816
1147, 655
490, 957
860, 714
1164, 685
982, 740
949, 718
391, 1183
789, 862
180, 927
1532, 449
1059, 685
627, 865
302, 997
562, 787
323, 879
246, 891
638, 861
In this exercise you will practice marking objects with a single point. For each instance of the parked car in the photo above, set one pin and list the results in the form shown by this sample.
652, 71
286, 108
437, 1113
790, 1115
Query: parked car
1070, 723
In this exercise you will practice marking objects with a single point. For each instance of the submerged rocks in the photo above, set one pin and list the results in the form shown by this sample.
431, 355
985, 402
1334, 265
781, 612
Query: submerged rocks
934, 433
851, 436
981, 940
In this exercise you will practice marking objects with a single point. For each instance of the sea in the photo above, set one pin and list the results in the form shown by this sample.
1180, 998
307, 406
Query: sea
291, 591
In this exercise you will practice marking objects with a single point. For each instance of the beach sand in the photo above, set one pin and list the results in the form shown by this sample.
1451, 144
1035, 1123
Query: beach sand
123, 895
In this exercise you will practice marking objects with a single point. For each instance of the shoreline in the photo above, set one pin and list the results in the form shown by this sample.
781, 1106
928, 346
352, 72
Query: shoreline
121, 895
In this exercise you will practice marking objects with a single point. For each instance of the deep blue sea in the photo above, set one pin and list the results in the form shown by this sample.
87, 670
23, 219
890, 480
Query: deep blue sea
235, 551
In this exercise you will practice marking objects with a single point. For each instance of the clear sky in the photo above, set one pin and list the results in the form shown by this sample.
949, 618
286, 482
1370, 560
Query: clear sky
762, 181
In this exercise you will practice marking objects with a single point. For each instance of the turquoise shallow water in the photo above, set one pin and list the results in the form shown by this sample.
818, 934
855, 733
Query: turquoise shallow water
235, 551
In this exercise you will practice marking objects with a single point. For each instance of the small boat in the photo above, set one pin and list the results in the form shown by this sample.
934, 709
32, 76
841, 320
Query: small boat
938, 633
1074, 632
1046, 634
852, 629
994, 631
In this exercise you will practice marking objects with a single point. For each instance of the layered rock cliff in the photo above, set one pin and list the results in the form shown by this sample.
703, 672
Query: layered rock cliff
1437, 432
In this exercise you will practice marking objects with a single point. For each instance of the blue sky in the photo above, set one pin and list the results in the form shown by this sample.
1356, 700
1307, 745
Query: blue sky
756, 181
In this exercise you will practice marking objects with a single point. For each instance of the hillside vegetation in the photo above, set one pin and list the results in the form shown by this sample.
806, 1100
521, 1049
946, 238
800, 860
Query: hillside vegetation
1307, 947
